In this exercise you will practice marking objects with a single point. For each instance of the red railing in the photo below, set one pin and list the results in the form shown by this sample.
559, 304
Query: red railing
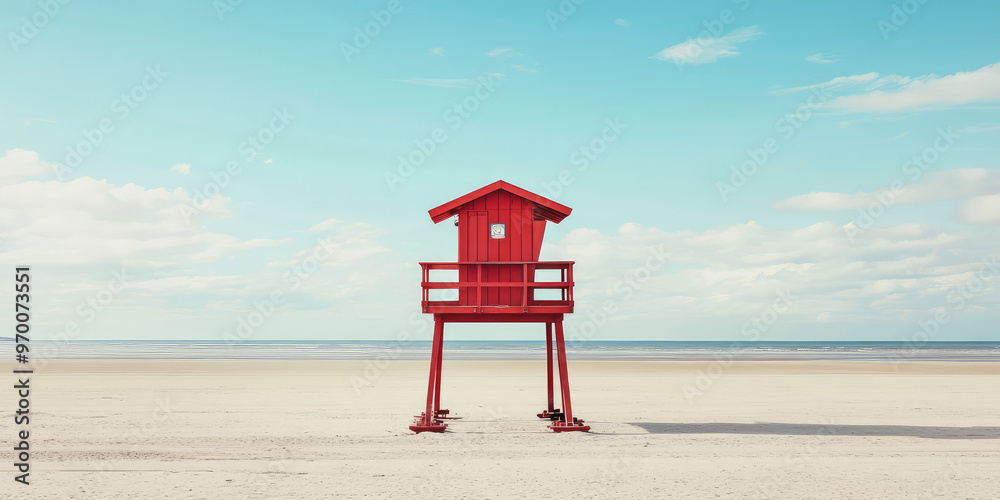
477, 278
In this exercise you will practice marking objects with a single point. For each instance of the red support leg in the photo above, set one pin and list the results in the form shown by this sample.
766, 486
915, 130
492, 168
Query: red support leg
563, 374
551, 413
428, 422
433, 382
438, 412
548, 362
568, 423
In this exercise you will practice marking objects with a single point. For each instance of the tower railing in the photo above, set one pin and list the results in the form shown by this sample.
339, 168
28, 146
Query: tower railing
479, 280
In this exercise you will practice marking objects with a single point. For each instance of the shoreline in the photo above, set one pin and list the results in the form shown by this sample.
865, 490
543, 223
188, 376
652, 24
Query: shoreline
763, 366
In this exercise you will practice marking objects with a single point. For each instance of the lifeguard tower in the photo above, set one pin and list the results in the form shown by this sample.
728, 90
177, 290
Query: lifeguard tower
500, 229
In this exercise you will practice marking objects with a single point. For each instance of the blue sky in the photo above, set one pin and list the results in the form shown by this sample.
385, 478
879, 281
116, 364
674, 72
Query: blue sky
694, 87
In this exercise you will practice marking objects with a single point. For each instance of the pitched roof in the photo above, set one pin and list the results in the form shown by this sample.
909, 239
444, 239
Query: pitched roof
545, 208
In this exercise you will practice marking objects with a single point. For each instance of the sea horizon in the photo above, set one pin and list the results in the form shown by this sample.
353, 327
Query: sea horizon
638, 350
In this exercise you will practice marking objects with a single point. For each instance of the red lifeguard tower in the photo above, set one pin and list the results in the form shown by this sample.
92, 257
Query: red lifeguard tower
500, 229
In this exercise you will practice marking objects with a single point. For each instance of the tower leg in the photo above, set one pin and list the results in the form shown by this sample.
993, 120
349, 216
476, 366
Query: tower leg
568, 423
548, 363
428, 421
438, 412
551, 413
563, 374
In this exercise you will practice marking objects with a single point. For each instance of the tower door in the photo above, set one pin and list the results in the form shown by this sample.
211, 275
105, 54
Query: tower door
478, 236
475, 246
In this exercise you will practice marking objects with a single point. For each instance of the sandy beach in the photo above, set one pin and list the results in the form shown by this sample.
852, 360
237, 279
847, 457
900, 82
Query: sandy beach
338, 429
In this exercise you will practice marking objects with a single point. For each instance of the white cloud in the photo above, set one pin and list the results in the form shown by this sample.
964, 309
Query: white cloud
181, 168
87, 221
898, 93
820, 58
324, 226
31, 120
268, 161
621, 22
892, 275
79, 232
706, 50
982, 209
839, 82
437, 51
501, 52
824, 202
979, 129
952, 184
340, 249
342, 285
449, 83
81, 229
976, 187
19, 164
534, 68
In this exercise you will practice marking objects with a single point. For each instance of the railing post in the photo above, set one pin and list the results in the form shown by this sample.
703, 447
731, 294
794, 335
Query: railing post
524, 294
569, 286
562, 277
423, 288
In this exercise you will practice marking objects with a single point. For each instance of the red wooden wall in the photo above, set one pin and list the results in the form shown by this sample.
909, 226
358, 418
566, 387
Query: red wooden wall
522, 244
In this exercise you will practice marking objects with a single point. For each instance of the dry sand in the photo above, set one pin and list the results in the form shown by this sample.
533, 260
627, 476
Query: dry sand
282, 429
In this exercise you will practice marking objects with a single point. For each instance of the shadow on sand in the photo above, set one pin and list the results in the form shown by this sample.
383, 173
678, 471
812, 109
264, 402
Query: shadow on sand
782, 429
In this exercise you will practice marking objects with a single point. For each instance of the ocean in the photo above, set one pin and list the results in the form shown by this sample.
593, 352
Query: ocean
527, 350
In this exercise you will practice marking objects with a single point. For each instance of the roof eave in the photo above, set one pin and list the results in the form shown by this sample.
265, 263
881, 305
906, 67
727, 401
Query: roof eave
554, 212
